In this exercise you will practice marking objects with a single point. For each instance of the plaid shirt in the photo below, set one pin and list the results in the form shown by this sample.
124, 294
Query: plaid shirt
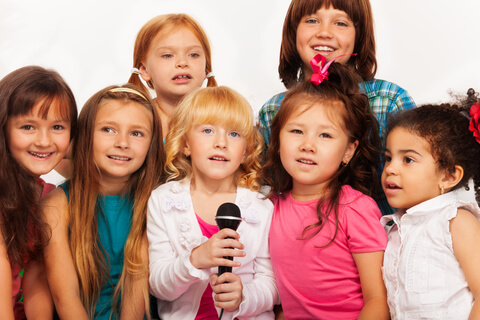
384, 97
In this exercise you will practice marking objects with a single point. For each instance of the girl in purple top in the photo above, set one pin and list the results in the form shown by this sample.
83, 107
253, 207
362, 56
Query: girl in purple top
326, 240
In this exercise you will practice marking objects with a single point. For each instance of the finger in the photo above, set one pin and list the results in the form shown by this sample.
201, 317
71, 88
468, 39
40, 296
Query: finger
224, 233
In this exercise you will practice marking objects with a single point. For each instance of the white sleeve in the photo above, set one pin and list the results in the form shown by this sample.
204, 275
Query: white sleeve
171, 272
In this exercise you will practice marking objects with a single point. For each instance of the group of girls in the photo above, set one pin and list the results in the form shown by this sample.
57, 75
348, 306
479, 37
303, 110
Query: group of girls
137, 215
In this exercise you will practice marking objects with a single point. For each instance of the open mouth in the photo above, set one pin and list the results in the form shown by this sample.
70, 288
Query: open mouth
40, 155
323, 49
392, 186
182, 77
305, 161
119, 158
218, 158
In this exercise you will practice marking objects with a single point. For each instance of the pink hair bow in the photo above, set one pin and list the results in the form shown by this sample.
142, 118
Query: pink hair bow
321, 73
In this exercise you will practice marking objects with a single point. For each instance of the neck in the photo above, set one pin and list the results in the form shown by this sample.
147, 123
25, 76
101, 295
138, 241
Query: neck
113, 188
165, 108
308, 192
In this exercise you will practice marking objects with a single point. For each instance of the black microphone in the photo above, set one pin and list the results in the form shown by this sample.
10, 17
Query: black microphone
228, 216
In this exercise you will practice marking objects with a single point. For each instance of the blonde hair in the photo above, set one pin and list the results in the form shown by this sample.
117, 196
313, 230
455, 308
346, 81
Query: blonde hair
215, 105
84, 190
164, 25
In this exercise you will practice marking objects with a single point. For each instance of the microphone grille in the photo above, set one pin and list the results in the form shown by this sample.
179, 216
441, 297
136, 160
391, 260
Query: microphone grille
228, 209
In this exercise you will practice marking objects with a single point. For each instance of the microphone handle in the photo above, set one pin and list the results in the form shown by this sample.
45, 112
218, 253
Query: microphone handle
223, 269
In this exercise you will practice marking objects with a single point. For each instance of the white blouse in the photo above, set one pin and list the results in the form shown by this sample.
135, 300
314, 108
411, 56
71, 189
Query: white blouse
421, 273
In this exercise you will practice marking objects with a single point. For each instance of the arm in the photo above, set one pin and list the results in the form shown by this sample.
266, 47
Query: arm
465, 230
6, 281
369, 265
133, 305
38, 303
60, 270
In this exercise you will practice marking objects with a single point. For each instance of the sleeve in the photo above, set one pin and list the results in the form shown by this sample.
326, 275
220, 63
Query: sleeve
171, 272
260, 294
361, 220
264, 123
403, 101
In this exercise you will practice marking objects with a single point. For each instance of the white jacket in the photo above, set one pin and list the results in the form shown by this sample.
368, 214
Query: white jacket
173, 232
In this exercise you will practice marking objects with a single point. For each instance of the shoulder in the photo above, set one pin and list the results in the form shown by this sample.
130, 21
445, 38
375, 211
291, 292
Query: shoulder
175, 187
377, 88
55, 205
273, 104
253, 205
350, 197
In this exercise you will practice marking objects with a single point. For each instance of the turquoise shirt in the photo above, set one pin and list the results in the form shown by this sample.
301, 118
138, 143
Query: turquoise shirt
114, 223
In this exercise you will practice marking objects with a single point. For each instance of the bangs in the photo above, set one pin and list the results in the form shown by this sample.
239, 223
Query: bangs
228, 116
60, 106
307, 7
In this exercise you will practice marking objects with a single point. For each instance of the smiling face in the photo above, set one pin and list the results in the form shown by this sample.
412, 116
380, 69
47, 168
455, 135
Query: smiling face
121, 139
38, 144
313, 145
411, 174
329, 32
175, 63
216, 152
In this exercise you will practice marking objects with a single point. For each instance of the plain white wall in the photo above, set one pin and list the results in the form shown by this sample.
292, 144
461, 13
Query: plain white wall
428, 47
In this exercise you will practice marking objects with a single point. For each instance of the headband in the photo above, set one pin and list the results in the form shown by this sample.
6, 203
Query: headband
475, 116
319, 73
122, 89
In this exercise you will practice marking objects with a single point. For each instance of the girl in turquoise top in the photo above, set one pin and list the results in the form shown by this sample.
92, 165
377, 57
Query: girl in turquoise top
96, 261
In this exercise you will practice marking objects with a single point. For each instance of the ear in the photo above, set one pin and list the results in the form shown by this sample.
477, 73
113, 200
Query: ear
186, 150
144, 73
350, 151
451, 179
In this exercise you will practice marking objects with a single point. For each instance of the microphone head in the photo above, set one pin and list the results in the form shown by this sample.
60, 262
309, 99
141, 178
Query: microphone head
228, 216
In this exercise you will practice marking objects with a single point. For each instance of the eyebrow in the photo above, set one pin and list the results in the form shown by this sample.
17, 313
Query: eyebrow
403, 151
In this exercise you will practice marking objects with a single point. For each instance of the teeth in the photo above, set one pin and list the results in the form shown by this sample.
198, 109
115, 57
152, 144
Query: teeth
119, 158
306, 161
181, 77
219, 159
323, 48
40, 155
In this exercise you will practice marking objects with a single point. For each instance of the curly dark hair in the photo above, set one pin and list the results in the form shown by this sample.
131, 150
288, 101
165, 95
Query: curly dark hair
360, 125
446, 129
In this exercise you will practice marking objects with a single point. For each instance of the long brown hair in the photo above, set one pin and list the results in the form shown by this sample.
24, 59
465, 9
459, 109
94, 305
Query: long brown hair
84, 190
164, 25
20, 91
290, 67
341, 95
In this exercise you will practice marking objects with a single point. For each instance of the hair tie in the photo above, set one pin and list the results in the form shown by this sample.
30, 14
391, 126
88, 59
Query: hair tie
135, 71
210, 74
320, 73
122, 89
475, 115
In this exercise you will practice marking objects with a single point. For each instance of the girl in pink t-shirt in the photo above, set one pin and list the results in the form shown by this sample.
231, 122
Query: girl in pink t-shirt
38, 115
326, 240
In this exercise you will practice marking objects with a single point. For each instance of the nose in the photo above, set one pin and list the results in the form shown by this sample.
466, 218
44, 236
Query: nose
182, 61
122, 141
43, 138
323, 31
307, 145
390, 168
220, 141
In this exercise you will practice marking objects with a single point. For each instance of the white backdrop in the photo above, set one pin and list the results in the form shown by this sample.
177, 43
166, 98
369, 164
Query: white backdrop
428, 47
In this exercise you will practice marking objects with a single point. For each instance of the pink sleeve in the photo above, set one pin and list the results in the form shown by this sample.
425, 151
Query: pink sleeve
361, 222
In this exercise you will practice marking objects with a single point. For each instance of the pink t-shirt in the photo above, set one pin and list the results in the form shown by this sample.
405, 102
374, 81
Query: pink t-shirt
206, 310
323, 283
16, 277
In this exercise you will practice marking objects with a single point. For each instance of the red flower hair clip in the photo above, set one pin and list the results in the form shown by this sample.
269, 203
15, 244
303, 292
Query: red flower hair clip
321, 73
475, 116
